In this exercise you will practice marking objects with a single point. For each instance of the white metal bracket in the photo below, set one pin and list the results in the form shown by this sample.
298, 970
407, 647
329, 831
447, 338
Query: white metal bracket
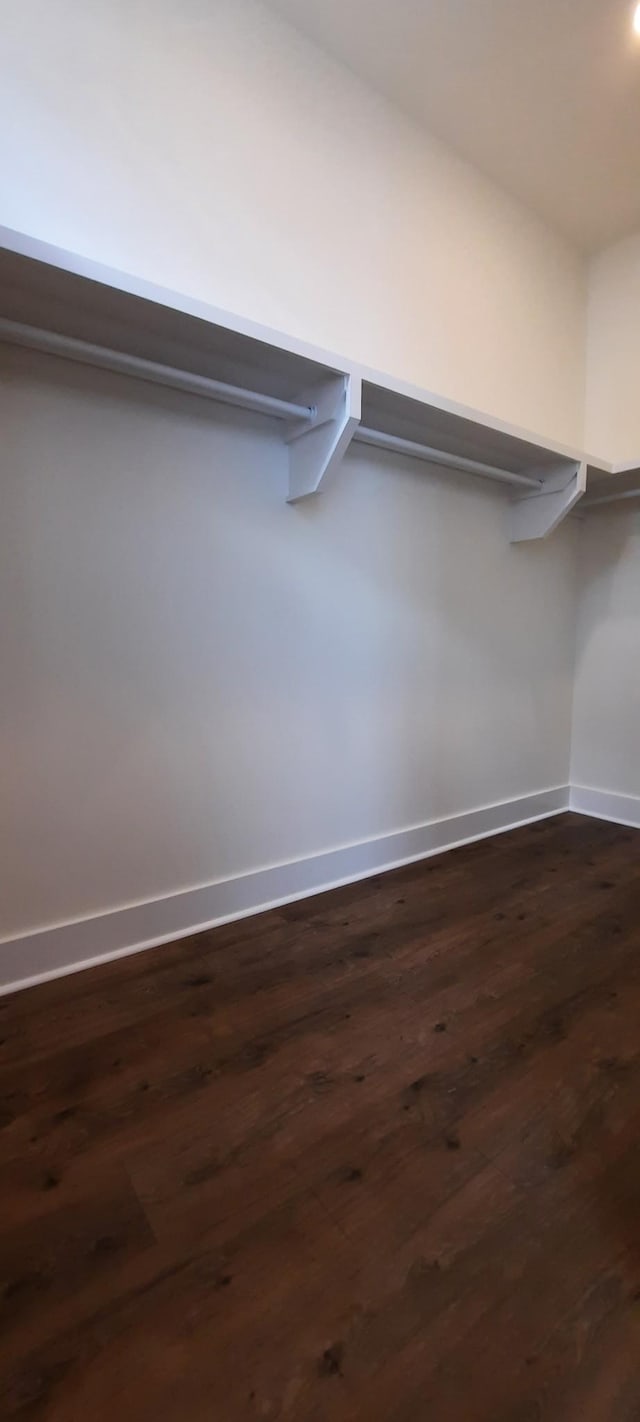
316, 450
537, 515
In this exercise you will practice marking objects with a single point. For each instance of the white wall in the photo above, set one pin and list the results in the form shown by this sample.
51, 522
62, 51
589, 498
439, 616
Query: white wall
198, 679
613, 352
206, 145
606, 722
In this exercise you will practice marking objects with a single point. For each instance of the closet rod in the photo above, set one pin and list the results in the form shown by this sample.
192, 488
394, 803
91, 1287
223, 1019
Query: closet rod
125, 364
439, 456
611, 499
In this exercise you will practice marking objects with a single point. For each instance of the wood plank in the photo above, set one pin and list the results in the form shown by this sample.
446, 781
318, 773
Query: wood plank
372, 1155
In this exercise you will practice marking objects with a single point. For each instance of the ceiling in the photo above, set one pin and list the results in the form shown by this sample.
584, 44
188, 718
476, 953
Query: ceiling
542, 95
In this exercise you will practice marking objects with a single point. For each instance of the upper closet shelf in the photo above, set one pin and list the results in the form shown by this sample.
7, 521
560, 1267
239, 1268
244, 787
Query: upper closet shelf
611, 484
69, 306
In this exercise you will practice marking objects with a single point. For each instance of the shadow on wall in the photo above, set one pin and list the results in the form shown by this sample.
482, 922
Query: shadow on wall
463, 643
203, 680
606, 707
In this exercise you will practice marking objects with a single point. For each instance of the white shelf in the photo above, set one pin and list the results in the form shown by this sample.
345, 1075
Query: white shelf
611, 484
548, 479
66, 304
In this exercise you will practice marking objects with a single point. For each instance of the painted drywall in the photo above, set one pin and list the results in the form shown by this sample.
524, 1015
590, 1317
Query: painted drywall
613, 352
210, 147
200, 680
606, 721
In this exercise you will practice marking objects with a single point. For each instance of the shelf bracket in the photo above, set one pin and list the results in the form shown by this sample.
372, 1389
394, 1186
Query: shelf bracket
537, 515
316, 450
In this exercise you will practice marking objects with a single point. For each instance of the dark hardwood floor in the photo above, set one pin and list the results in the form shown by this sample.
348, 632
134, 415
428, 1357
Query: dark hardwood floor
374, 1156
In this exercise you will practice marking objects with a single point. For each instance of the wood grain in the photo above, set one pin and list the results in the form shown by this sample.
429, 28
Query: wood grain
372, 1157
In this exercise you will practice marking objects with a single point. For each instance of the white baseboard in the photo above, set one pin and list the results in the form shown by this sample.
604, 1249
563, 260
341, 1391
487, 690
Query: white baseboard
605, 805
69, 947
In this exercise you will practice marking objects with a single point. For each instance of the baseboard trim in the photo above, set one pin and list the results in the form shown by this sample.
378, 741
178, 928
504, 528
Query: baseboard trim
605, 805
70, 947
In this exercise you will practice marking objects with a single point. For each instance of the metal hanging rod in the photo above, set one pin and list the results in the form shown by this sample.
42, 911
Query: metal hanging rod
125, 364
611, 499
439, 456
